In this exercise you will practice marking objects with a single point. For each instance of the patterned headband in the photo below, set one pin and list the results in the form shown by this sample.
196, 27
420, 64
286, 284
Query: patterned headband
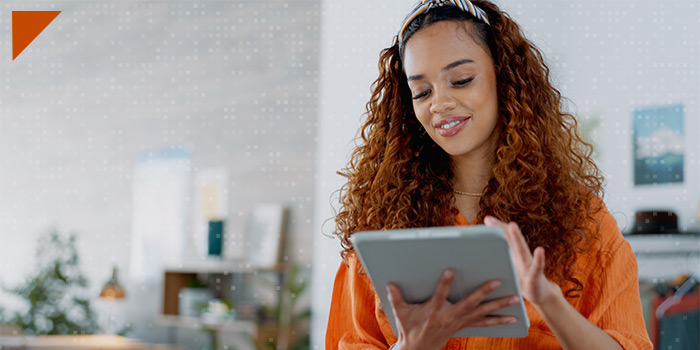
425, 5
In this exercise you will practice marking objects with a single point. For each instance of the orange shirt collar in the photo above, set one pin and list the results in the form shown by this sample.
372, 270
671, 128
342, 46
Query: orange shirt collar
462, 221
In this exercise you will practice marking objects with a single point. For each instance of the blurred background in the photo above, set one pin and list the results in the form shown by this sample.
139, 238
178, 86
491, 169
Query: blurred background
168, 168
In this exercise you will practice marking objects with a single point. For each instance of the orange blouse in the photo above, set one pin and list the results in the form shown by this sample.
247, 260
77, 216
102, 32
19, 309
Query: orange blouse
610, 300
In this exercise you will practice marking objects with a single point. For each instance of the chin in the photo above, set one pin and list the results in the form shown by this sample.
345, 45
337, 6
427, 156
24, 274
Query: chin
455, 151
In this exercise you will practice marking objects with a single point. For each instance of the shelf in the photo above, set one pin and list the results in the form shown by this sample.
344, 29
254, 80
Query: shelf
665, 244
221, 277
242, 326
222, 267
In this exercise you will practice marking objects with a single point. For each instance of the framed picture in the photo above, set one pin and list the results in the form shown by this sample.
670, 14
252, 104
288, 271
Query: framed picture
658, 145
265, 235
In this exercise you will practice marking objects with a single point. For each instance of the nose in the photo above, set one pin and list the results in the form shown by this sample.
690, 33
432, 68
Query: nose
442, 102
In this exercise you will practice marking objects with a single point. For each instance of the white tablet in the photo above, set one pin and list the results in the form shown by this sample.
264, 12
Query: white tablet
414, 259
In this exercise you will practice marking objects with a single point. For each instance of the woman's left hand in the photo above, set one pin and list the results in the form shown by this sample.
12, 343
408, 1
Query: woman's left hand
534, 285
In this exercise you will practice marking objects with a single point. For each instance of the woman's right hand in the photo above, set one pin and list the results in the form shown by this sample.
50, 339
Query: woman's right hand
431, 324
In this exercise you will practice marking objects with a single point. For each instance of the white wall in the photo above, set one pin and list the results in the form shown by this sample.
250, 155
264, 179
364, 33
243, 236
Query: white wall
608, 57
352, 35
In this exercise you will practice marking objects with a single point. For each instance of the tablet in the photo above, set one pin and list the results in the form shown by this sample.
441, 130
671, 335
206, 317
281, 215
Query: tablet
414, 259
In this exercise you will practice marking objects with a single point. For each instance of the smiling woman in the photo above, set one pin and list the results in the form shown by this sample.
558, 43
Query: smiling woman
464, 127
454, 97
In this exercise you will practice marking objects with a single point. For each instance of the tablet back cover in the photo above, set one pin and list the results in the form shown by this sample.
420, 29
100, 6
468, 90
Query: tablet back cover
414, 259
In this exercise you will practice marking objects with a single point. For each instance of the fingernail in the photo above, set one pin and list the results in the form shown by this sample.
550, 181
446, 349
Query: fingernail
513, 300
495, 284
448, 273
512, 320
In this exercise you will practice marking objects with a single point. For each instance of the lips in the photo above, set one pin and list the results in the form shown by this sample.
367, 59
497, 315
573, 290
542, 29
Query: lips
451, 126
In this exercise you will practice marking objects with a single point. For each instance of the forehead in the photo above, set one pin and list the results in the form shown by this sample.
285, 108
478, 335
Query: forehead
440, 44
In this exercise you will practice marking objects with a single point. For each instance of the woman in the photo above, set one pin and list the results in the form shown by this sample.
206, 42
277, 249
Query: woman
464, 127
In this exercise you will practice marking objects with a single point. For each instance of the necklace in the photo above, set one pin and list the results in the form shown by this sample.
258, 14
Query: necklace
468, 193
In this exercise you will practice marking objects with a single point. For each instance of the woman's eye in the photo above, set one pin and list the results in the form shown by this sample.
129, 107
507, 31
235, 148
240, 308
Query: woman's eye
420, 94
463, 82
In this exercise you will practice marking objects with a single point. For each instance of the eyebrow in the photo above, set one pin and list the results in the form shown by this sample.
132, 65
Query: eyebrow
446, 68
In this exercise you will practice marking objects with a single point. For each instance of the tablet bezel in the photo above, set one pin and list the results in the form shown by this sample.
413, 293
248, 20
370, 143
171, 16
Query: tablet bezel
414, 259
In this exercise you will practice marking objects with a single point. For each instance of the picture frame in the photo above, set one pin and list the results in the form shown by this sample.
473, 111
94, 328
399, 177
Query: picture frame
659, 145
265, 235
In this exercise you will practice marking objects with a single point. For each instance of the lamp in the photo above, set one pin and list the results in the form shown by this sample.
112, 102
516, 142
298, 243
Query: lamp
113, 290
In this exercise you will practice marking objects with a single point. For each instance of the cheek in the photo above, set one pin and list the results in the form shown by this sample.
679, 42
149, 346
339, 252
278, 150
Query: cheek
484, 99
422, 114
480, 96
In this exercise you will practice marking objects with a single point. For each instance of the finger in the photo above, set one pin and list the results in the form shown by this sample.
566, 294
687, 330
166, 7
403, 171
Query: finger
518, 253
472, 300
489, 307
492, 221
443, 288
537, 266
510, 237
513, 244
395, 298
488, 321
523, 250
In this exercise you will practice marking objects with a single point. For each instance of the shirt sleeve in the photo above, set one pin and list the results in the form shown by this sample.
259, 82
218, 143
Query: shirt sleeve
618, 308
352, 323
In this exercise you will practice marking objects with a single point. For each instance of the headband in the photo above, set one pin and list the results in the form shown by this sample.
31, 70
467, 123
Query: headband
425, 5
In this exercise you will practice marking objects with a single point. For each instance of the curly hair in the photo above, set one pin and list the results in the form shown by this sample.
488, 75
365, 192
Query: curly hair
543, 177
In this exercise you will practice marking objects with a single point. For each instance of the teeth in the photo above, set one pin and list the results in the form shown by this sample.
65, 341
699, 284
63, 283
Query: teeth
447, 126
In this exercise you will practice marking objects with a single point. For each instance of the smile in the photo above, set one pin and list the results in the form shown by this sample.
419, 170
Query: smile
451, 126
447, 126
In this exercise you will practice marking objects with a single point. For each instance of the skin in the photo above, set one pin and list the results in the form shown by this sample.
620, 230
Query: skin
438, 60
466, 88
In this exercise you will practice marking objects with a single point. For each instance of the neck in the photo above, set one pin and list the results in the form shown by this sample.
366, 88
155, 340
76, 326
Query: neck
471, 177
472, 172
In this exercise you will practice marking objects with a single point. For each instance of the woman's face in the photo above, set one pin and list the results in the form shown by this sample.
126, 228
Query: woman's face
453, 85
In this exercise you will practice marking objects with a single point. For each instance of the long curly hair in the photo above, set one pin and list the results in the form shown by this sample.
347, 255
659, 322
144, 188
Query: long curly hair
543, 177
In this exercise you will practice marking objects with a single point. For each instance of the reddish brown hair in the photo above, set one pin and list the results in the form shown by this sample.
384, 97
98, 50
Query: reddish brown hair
543, 176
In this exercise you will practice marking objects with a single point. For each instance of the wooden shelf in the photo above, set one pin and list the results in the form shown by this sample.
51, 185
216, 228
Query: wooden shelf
222, 267
243, 326
219, 275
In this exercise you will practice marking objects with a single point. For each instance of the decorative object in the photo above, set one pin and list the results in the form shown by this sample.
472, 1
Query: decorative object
214, 316
56, 295
217, 312
191, 300
291, 326
113, 290
265, 235
655, 222
216, 233
210, 204
160, 200
658, 145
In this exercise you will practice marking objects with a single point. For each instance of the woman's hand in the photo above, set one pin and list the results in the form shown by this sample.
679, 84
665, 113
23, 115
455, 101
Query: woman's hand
534, 285
431, 324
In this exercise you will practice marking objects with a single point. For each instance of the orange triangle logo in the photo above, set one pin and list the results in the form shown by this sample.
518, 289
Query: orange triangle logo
26, 26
